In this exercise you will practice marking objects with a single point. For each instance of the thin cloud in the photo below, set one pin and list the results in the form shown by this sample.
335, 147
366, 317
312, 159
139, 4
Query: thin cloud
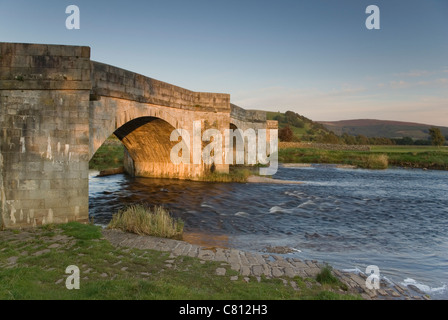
420, 73
414, 73
399, 84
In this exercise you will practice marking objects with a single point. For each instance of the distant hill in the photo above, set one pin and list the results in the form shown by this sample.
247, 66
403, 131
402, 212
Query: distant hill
381, 128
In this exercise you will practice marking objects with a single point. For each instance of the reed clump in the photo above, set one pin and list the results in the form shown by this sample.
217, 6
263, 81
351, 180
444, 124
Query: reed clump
142, 220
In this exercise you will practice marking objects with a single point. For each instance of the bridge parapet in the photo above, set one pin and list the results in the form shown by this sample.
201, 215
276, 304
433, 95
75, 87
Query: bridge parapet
44, 67
115, 82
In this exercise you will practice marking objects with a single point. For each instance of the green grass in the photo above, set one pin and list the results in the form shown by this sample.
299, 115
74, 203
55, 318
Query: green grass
361, 159
310, 131
118, 273
326, 277
81, 231
108, 156
376, 158
236, 175
144, 221
407, 149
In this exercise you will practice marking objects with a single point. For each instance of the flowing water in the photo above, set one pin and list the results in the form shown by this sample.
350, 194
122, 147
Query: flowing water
396, 219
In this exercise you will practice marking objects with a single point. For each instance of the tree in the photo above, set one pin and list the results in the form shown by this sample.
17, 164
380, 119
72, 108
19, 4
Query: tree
329, 138
362, 140
348, 139
437, 139
407, 141
285, 134
293, 119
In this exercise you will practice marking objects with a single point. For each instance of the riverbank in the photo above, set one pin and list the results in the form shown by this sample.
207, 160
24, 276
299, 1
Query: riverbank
377, 158
109, 157
118, 265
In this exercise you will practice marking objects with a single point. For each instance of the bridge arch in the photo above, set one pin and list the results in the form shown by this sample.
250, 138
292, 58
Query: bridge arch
148, 148
110, 114
58, 107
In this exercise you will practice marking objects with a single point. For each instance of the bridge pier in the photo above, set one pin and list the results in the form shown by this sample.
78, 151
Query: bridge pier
44, 139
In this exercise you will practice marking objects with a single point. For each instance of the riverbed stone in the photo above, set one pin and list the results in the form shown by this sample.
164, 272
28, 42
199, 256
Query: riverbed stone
267, 271
244, 270
277, 272
400, 289
289, 272
238, 267
244, 259
382, 292
312, 272
12, 260
38, 253
415, 288
220, 255
221, 271
257, 270
393, 293
250, 258
193, 251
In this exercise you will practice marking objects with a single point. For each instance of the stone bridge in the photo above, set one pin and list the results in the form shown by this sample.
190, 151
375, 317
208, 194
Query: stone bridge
58, 107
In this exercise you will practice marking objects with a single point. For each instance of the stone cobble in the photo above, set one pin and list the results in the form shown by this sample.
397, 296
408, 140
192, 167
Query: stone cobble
256, 265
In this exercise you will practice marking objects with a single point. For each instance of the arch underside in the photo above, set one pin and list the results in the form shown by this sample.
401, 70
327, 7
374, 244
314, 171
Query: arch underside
147, 141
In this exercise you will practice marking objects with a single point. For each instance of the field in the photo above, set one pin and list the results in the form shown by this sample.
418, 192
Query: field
407, 149
379, 157
108, 156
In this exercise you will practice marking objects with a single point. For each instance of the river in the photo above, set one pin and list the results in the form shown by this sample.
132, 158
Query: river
396, 219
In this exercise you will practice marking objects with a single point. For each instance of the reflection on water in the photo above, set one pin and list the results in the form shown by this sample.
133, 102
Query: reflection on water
396, 219
207, 239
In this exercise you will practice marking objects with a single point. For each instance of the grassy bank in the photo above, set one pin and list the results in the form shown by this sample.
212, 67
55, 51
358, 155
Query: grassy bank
379, 157
236, 175
33, 264
360, 159
110, 155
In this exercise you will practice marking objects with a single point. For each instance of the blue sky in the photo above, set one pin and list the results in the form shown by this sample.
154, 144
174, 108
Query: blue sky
315, 57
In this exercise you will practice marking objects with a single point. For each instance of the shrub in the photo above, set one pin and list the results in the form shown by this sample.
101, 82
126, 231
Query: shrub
285, 134
144, 221
236, 175
325, 276
377, 161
